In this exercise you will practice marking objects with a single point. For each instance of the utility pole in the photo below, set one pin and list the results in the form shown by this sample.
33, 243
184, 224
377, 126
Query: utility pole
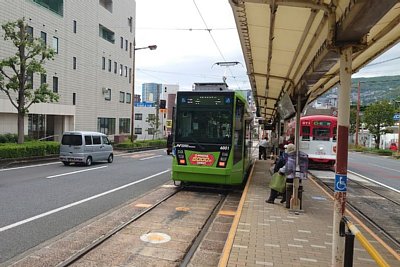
358, 112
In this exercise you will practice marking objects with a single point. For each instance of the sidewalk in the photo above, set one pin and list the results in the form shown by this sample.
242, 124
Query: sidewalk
271, 235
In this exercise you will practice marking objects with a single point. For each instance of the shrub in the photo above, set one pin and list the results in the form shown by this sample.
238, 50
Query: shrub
8, 138
29, 149
141, 144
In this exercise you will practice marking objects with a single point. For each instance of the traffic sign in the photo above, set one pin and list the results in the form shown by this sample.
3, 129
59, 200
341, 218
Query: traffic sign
340, 183
396, 117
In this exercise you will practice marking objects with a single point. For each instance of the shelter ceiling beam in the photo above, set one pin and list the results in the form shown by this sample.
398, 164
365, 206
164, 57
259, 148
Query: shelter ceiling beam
292, 3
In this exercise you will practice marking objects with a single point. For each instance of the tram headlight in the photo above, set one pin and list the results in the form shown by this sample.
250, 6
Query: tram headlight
223, 159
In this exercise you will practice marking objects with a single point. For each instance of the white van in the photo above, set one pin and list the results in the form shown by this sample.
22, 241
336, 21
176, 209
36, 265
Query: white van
85, 147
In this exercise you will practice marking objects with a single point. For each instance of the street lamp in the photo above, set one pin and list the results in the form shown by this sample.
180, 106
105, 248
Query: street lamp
151, 47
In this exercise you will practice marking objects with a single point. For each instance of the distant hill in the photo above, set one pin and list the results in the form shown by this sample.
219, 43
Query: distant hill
371, 90
376, 89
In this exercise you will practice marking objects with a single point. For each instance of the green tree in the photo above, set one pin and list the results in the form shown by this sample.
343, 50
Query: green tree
378, 117
16, 72
154, 124
353, 118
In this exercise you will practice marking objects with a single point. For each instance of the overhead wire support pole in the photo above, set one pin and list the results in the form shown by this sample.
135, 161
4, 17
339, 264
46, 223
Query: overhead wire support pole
358, 112
340, 185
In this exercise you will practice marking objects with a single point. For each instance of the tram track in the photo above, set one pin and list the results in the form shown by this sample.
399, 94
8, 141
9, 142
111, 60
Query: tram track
219, 199
74, 258
375, 204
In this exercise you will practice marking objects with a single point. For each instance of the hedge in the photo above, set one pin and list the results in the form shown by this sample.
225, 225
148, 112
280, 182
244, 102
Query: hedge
142, 143
29, 149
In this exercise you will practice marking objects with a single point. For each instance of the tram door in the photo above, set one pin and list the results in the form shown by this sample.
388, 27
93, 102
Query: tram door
238, 137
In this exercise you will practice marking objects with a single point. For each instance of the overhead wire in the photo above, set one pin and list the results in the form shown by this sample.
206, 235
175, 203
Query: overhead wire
213, 39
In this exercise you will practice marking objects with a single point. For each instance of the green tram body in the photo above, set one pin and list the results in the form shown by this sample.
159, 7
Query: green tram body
212, 138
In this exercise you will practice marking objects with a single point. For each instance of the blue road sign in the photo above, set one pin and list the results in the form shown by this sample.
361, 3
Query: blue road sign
396, 117
340, 183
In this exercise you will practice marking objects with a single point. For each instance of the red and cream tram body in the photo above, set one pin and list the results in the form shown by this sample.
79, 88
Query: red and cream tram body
318, 139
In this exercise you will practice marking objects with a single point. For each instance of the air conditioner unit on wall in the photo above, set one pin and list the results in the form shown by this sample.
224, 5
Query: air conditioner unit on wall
104, 90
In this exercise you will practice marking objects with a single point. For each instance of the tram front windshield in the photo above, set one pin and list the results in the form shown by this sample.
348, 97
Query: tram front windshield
204, 125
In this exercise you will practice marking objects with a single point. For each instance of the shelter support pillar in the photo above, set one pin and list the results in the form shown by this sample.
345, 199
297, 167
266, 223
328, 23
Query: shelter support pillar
294, 201
341, 156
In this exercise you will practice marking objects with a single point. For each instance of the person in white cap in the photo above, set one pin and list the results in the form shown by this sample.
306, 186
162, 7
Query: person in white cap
277, 185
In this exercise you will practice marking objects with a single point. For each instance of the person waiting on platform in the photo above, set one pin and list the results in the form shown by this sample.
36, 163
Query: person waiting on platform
262, 148
277, 185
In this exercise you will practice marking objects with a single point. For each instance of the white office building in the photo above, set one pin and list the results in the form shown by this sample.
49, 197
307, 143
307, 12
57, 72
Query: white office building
91, 72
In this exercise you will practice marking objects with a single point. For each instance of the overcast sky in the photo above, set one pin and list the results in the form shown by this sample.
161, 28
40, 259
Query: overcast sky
186, 52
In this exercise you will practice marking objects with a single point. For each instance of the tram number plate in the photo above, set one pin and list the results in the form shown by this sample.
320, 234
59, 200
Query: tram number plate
320, 153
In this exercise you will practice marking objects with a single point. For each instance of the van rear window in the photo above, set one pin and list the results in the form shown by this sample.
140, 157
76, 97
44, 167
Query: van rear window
72, 140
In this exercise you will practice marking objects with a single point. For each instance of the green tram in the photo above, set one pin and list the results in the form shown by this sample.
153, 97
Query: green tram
212, 138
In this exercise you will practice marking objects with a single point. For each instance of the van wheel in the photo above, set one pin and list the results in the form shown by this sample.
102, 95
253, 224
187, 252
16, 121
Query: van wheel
89, 161
66, 163
110, 158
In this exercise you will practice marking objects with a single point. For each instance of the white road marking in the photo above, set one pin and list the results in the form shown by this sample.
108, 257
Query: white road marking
29, 166
68, 173
380, 166
151, 157
373, 181
2, 229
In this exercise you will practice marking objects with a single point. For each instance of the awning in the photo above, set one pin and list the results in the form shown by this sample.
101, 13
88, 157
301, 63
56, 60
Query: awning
293, 46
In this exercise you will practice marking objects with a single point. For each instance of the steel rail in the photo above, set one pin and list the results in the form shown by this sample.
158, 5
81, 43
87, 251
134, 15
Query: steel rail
105, 237
365, 216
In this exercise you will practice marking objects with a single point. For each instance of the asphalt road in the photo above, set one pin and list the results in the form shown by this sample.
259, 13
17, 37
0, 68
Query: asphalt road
41, 201
384, 170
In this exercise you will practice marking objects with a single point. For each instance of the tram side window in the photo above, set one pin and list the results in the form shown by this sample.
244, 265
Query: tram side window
321, 134
305, 133
238, 137
334, 134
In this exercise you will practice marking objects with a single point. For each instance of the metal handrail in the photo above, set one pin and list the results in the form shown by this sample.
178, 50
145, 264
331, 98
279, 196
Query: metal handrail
363, 241
48, 137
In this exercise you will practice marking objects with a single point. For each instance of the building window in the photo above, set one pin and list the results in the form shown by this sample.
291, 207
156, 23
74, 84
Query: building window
43, 36
107, 94
124, 125
74, 99
126, 71
107, 4
121, 97
120, 69
106, 34
55, 84
130, 23
103, 63
122, 42
128, 98
151, 131
106, 125
55, 44
55, 6
130, 75
29, 78
152, 116
43, 79
115, 67
74, 26
36, 125
138, 116
126, 45
29, 32
130, 50
74, 63
109, 65
138, 130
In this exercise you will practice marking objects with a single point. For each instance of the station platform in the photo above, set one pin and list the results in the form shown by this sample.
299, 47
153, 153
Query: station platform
272, 235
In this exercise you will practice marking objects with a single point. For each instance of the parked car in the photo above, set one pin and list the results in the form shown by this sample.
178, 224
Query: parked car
85, 147
393, 147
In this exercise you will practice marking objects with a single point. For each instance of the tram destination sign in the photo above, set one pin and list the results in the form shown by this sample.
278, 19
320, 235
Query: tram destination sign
206, 100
